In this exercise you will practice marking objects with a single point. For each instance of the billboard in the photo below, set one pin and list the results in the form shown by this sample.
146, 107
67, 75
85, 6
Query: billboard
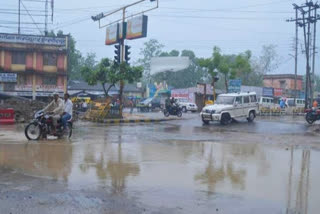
267, 92
137, 27
278, 92
8, 77
234, 86
112, 34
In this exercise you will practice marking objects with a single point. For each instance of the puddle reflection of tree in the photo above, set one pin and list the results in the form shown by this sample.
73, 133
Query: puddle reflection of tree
302, 194
110, 164
214, 174
40, 159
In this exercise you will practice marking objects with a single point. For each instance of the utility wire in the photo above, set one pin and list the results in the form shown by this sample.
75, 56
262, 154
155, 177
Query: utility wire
31, 17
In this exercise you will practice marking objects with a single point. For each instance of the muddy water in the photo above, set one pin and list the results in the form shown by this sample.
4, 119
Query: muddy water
181, 174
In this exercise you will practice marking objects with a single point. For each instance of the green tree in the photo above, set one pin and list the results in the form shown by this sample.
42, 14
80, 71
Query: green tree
152, 48
109, 72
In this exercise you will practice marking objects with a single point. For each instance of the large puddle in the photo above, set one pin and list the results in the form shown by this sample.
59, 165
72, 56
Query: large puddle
282, 178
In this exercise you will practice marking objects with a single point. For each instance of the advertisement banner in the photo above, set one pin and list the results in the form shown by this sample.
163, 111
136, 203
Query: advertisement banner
234, 86
278, 92
137, 27
267, 92
32, 39
8, 77
112, 34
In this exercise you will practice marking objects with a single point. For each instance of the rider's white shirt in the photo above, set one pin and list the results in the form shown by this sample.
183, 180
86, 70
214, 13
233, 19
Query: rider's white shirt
68, 107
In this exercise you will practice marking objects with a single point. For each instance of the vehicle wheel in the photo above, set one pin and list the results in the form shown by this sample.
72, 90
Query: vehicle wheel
194, 111
309, 118
184, 109
179, 114
225, 119
251, 117
166, 113
205, 122
32, 131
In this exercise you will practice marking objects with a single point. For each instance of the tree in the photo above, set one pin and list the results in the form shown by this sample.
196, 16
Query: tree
152, 48
269, 59
109, 72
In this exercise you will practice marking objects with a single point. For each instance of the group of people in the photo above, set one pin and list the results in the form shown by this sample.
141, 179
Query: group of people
170, 103
59, 108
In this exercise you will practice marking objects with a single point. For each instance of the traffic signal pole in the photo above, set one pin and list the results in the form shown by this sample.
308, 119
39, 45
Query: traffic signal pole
122, 48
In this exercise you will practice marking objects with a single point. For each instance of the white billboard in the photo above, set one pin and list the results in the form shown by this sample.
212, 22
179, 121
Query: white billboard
112, 34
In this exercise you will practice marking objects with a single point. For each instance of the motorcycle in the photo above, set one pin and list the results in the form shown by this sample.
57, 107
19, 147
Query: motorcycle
312, 115
42, 125
175, 110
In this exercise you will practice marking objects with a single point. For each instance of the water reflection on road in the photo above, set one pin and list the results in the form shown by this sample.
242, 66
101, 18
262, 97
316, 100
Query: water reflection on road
175, 170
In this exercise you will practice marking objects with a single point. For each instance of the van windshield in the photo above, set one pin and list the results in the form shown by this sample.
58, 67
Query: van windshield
226, 100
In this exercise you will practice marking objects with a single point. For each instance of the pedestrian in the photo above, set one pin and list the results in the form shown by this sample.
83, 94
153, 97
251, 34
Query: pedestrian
131, 106
84, 106
282, 104
315, 104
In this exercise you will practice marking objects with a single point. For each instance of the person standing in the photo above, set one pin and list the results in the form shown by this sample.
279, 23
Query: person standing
67, 114
315, 104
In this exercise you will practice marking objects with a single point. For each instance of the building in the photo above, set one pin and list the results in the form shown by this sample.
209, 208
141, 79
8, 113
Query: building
282, 81
33, 66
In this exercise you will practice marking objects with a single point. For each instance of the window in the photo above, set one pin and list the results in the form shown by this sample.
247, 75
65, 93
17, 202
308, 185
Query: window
282, 84
246, 99
49, 80
19, 58
227, 100
264, 100
239, 100
253, 98
50, 59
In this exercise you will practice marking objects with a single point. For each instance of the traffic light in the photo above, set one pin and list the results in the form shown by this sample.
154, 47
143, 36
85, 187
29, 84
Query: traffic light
127, 53
117, 57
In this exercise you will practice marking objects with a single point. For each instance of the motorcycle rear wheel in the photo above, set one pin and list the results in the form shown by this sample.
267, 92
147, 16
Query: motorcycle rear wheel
179, 113
309, 118
32, 131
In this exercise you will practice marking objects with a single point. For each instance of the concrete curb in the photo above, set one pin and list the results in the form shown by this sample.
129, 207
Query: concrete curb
118, 121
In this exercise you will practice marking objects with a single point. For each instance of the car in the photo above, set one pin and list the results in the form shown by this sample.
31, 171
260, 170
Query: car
186, 105
149, 104
231, 106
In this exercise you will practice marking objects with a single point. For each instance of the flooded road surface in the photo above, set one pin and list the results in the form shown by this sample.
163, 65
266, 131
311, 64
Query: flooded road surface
270, 166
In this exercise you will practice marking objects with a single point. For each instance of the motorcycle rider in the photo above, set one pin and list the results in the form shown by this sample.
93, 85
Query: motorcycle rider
55, 108
67, 114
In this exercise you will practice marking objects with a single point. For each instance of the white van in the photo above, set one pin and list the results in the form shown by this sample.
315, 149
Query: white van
299, 103
266, 102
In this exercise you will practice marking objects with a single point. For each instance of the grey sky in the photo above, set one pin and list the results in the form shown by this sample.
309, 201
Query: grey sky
234, 26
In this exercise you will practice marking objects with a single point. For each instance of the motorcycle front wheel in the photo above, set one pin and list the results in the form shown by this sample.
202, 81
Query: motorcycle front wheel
33, 131
309, 118
166, 113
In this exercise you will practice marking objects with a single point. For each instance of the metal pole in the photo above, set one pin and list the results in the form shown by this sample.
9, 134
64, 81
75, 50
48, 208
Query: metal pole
307, 53
296, 59
46, 19
308, 61
314, 53
19, 28
121, 63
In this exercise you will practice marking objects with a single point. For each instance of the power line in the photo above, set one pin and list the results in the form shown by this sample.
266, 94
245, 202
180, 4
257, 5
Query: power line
31, 17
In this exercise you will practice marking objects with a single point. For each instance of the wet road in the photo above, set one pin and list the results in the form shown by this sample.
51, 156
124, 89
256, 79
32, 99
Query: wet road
269, 166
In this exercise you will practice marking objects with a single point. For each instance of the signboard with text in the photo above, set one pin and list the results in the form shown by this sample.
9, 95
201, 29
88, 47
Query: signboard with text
234, 86
32, 39
137, 27
278, 92
8, 77
112, 34
267, 92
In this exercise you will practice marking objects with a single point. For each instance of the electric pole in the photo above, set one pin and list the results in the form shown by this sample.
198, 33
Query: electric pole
309, 16
19, 28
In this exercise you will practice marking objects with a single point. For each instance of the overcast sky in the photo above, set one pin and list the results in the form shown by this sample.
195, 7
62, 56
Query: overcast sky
234, 26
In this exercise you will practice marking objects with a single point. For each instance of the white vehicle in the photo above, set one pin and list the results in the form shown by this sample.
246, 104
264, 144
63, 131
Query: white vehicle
299, 103
186, 105
267, 102
231, 106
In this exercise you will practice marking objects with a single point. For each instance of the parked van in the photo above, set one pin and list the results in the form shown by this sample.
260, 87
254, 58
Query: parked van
266, 102
299, 103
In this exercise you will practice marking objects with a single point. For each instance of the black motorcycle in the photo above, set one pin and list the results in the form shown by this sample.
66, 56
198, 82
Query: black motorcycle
42, 126
174, 110
312, 115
